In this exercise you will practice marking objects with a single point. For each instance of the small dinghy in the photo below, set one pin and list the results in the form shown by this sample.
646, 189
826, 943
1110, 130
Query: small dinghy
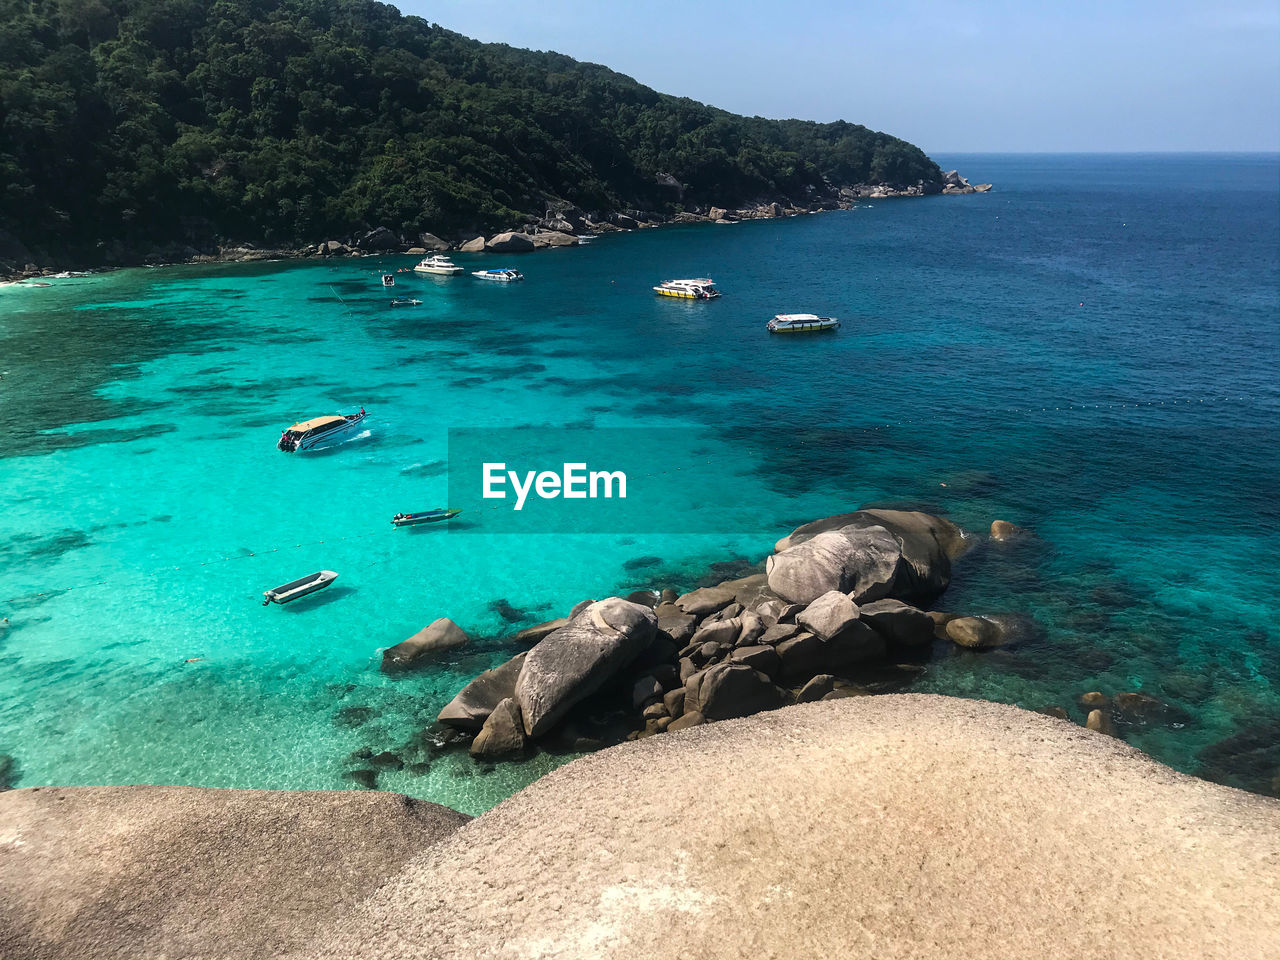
388, 279
426, 516
300, 587
406, 302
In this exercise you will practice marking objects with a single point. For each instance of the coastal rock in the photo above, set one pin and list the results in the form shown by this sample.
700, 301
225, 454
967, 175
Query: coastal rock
674, 702
992, 630
802, 656
719, 632
333, 248
817, 688
828, 615
379, 239
551, 238
430, 241
898, 623
531, 635
856, 644
150, 871
1100, 722
437, 637
652, 850
685, 721
416, 251
475, 245
675, 624
509, 242
624, 221
761, 657
729, 690
647, 689
861, 561
976, 632
502, 733
779, 632
718, 213
473, 704
923, 535
576, 660
1002, 530
707, 600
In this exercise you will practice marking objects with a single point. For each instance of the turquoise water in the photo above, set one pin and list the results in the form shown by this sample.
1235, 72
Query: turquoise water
1090, 351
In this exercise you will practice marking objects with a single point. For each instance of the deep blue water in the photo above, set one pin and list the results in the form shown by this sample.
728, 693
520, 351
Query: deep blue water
1090, 351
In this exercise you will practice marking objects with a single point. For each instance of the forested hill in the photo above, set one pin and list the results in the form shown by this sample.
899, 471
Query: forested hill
287, 121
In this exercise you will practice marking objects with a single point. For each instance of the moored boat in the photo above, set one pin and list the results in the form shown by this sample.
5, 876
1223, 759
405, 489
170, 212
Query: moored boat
300, 587
307, 434
801, 323
406, 302
439, 264
388, 279
426, 516
501, 274
699, 288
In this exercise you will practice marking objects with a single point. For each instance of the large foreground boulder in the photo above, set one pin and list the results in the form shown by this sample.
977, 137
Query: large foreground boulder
192, 872
575, 661
887, 827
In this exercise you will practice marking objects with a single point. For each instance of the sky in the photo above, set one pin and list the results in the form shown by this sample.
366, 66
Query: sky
951, 77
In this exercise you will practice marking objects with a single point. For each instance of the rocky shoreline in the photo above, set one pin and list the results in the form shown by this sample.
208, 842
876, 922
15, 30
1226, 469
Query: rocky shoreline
845, 607
561, 226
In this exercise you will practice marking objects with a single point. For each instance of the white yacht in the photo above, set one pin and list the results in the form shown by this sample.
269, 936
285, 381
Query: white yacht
438, 264
700, 288
501, 274
801, 323
317, 431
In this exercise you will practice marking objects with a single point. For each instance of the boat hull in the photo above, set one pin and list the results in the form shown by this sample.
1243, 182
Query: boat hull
299, 588
339, 432
438, 271
417, 519
684, 294
821, 325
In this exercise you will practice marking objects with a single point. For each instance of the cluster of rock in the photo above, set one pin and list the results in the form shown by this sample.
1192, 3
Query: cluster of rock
840, 605
561, 226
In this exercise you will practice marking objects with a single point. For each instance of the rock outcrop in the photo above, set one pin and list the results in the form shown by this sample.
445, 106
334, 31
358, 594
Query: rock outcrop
192, 872
473, 704
435, 638
576, 660
510, 242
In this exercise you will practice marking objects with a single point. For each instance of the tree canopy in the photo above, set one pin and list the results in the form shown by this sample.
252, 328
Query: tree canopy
287, 121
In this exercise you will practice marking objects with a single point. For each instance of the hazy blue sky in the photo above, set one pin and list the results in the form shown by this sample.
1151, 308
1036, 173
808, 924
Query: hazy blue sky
949, 76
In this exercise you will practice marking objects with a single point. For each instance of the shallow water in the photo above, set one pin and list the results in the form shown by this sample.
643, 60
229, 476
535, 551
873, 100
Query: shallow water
1090, 351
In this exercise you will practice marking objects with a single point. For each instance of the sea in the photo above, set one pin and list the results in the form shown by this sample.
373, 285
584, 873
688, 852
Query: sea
1089, 351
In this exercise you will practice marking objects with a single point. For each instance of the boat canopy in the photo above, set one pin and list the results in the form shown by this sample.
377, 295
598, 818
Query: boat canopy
307, 425
798, 317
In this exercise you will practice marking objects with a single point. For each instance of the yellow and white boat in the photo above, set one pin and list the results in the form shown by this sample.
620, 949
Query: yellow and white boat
701, 288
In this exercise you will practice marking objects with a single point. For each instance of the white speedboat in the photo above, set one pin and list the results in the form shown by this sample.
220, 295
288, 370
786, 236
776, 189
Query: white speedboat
700, 288
501, 274
300, 587
388, 279
308, 434
801, 323
438, 264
